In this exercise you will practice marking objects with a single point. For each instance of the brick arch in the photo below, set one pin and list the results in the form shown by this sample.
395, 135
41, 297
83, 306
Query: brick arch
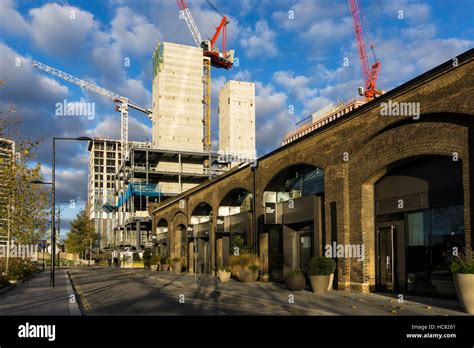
160, 219
278, 169
435, 117
409, 140
242, 187
194, 206
370, 163
179, 219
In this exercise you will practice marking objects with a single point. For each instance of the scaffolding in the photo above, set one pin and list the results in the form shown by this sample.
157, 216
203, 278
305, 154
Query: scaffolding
206, 75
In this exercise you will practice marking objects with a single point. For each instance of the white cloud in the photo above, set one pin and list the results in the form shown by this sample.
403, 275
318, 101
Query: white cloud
260, 42
297, 86
308, 12
25, 86
109, 128
11, 21
414, 11
273, 117
328, 31
133, 33
60, 30
403, 60
242, 75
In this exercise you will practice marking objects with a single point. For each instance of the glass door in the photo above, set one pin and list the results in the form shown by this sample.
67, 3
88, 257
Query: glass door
391, 265
386, 258
305, 250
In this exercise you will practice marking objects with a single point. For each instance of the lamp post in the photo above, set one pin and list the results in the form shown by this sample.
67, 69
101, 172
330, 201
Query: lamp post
59, 224
53, 205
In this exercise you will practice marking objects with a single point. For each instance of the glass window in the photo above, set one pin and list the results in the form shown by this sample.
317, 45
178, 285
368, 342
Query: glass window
418, 252
446, 221
418, 228
447, 233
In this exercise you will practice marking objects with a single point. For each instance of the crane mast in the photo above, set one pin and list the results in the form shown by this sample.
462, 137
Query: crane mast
370, 74
123, 102
183, 6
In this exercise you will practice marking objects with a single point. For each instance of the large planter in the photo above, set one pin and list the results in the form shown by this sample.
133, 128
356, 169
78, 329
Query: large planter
154, 268
331, 279
464, 284
320, 283
248, 275
165, 267
176, 267
224, 276
295, 283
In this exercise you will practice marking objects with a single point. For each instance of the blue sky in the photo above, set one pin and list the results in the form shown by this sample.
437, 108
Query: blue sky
294, 61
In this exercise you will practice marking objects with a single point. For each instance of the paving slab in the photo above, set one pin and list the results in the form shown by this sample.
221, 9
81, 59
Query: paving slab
36, 297
114, 291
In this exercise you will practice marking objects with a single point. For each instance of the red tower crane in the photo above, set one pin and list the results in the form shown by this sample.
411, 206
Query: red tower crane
219, 59
370, 74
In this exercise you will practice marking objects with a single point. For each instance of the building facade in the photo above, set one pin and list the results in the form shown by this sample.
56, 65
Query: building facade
105, 157
237, 120
178, 98
388, 195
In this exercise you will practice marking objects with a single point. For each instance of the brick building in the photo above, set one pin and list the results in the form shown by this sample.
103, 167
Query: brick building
396, 186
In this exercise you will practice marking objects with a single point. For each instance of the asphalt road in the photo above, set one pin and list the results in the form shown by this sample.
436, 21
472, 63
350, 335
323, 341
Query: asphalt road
110, 291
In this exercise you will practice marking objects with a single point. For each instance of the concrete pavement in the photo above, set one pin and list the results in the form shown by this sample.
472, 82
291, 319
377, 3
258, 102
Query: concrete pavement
36, 297
110, 291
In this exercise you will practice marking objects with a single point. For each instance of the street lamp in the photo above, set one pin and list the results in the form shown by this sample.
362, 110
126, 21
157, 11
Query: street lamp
53, 207
59, 224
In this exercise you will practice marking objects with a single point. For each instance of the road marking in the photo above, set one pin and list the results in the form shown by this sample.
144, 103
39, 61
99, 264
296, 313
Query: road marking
86, 305
73, 307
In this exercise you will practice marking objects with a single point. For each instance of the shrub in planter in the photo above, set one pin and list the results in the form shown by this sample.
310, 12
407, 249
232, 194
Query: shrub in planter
320, 270
295, 280
249, 274
165, 264
245, 266
463, 274
176, 265
154, 262
224, 273
147, 256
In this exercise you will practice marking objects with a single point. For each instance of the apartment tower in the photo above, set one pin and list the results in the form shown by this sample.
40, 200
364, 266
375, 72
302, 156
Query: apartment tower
104, 160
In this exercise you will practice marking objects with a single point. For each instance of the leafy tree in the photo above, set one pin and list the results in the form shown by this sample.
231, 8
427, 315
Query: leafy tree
25, 205
82, 233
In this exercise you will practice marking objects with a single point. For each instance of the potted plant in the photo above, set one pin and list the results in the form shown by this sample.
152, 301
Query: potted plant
176, 265
165, 264
249, 274
154, 263
295, 280
320, 270
463, 274
147, 256
224, 273
245, 266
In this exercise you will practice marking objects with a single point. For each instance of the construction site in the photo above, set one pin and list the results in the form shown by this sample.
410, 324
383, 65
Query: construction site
127, 179
313, 173
178, 197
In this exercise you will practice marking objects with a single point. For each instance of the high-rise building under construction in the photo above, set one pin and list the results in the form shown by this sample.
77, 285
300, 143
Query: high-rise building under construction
178, 97
237, 121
